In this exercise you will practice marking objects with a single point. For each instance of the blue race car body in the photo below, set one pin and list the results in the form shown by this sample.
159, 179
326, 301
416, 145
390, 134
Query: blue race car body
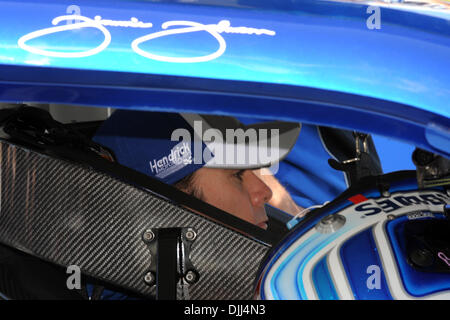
372, 68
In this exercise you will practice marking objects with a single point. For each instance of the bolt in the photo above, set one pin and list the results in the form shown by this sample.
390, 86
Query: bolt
384, 189
149, 278
328, 219
190, 234
190, 277
330, 223
390, 217
422, 158
148, 236
422, 258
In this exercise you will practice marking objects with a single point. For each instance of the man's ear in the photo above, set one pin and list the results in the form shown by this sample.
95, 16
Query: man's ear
190, 186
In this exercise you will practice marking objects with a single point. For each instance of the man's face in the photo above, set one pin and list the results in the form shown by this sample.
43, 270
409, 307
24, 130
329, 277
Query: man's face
239, 192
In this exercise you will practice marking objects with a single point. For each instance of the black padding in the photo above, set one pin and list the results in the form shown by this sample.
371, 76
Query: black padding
23, 277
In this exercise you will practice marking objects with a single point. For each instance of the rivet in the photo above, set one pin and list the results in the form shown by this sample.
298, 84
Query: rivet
191, 235
148, 236
190, 277
149, 278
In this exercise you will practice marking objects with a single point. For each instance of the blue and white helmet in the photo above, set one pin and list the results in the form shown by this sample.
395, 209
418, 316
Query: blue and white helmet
386, 240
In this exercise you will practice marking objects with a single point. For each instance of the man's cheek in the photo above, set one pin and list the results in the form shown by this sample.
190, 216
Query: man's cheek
217, 199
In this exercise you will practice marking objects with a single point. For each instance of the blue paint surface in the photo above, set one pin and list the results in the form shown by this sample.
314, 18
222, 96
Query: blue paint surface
363, 267
322, 281
367, 80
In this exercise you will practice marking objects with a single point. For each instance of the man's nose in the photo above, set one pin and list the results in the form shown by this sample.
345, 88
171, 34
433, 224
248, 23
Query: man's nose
259, 192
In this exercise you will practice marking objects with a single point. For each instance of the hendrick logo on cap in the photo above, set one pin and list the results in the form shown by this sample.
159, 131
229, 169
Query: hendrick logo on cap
179, 157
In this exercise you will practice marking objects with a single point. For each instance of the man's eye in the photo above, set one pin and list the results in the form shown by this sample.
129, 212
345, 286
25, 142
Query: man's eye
239, 174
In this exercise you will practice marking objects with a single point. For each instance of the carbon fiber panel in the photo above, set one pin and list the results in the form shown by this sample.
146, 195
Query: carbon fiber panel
72, 215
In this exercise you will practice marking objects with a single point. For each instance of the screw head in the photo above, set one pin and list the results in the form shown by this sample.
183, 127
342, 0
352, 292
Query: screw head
191, 235
149, 278
329, 219
330, 223
384, 189
148, 236
390, 217
190, 277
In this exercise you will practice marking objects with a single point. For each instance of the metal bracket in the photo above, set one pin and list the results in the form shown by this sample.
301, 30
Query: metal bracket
432, 170
361, 165
169, 260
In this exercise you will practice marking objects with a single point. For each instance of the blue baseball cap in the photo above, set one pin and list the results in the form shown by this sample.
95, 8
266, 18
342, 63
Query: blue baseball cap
170, 146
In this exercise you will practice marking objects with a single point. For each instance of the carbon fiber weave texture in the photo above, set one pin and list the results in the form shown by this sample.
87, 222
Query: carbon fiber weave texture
72, 215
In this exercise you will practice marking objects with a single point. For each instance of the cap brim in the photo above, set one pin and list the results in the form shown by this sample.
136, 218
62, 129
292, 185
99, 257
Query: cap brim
233, 145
